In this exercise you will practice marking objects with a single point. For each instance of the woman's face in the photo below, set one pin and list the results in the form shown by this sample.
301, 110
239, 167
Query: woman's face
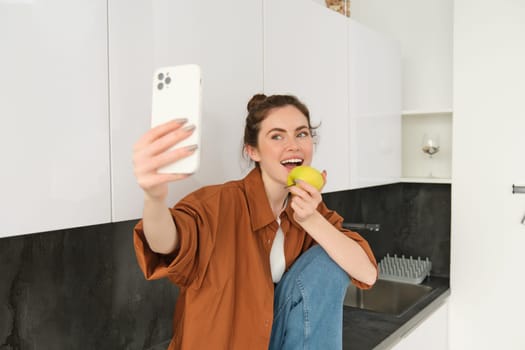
284, 141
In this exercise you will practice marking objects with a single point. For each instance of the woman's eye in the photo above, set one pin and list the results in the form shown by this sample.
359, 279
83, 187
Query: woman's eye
276, 137
303, 134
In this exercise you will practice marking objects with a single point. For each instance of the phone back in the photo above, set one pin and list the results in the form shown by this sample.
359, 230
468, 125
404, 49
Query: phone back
177, 93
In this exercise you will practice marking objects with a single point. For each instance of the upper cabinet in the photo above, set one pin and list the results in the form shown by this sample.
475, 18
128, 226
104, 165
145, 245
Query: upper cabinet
54, 138
75, 96
349, 77
424, 30
224, 38
374, 107
306, 54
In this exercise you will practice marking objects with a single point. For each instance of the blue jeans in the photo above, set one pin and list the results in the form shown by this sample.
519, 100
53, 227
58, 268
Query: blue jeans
308, 304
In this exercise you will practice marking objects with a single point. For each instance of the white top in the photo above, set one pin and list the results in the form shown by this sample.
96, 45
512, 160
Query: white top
277, 261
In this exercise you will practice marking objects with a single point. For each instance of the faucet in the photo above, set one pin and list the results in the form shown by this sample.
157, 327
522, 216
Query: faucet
361, 226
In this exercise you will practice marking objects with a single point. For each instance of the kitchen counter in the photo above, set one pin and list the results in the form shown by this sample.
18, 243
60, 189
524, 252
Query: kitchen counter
367, 330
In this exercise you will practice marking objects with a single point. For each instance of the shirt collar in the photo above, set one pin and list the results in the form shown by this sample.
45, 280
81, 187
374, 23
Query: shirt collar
260, 211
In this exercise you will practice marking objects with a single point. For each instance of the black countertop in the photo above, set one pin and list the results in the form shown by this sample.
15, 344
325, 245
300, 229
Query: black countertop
367, 330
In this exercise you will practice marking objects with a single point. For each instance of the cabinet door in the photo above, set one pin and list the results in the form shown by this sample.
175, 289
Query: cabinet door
305, 54
375, 107
350, 78
425, 30
225, 38
430, 334
53, 101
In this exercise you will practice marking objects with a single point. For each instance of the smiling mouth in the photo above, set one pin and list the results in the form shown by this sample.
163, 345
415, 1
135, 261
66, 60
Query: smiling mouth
292, 163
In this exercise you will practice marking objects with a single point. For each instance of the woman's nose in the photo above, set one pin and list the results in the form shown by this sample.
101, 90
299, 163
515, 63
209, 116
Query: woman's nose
292, 144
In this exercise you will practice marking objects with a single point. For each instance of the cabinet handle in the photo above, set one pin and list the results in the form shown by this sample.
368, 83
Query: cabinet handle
518, 189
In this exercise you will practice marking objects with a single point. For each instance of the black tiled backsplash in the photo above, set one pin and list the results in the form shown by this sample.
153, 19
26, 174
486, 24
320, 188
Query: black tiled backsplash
414, 218
82, 289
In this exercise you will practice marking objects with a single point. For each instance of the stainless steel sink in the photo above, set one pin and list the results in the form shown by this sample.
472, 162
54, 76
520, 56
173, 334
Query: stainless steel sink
386, 296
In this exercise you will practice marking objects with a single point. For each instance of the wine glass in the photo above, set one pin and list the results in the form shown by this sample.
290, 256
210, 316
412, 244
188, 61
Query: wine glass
430, 146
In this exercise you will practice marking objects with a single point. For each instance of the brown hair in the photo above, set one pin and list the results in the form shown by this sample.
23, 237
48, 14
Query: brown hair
260, 106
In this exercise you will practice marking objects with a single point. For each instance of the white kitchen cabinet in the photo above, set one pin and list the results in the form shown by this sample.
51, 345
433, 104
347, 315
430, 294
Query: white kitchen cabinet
374, 107
75, 97
305, 54
424, 30
349, 77
224, 38
54, 137
429, 334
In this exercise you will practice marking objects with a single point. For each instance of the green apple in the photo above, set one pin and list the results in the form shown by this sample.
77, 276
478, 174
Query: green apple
307, 174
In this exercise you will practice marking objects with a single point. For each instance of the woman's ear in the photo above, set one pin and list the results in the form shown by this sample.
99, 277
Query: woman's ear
253, 153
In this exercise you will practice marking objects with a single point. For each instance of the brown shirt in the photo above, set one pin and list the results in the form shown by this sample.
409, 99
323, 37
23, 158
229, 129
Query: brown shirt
222, 265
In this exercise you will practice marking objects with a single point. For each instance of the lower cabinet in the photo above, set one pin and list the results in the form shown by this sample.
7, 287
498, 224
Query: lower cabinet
430, 334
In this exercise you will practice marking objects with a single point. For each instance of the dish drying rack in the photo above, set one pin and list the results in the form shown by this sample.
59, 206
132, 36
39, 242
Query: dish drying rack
402, 269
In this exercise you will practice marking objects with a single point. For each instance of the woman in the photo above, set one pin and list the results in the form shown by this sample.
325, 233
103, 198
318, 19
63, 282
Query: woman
259, 265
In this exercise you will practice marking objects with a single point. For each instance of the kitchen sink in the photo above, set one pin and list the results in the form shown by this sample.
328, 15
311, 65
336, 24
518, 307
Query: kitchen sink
386, 296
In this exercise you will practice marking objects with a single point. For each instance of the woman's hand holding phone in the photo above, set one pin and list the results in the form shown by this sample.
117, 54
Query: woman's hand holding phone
151, 152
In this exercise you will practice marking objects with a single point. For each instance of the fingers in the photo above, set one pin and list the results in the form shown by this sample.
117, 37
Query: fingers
302, 209
149, 152
159, 131
146, 164
154, 150
169, 140
151, 181
305, 200
323, 174
163, 137
304, 190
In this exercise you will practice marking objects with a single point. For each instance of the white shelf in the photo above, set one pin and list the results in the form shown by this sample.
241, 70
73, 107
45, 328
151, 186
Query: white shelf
417, 165
434, 180
426, 112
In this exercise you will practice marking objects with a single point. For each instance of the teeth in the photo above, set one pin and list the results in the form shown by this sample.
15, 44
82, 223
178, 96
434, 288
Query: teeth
293, 160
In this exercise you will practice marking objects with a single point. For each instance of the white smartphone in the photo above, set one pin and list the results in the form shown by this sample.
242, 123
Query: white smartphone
177, 93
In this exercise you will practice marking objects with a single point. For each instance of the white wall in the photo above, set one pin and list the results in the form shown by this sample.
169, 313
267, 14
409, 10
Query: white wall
424, 29
489, 121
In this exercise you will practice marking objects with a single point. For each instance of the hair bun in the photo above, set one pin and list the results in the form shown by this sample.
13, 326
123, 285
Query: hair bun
255, 101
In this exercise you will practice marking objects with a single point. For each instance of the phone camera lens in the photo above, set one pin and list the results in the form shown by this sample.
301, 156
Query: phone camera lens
160, 76
160, 86
167, 80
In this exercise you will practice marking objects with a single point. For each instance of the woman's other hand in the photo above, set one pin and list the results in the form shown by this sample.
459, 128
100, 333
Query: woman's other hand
305, 199
150, 153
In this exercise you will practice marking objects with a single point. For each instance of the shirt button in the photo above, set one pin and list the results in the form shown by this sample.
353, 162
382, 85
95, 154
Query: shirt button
268, 241
266, 323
